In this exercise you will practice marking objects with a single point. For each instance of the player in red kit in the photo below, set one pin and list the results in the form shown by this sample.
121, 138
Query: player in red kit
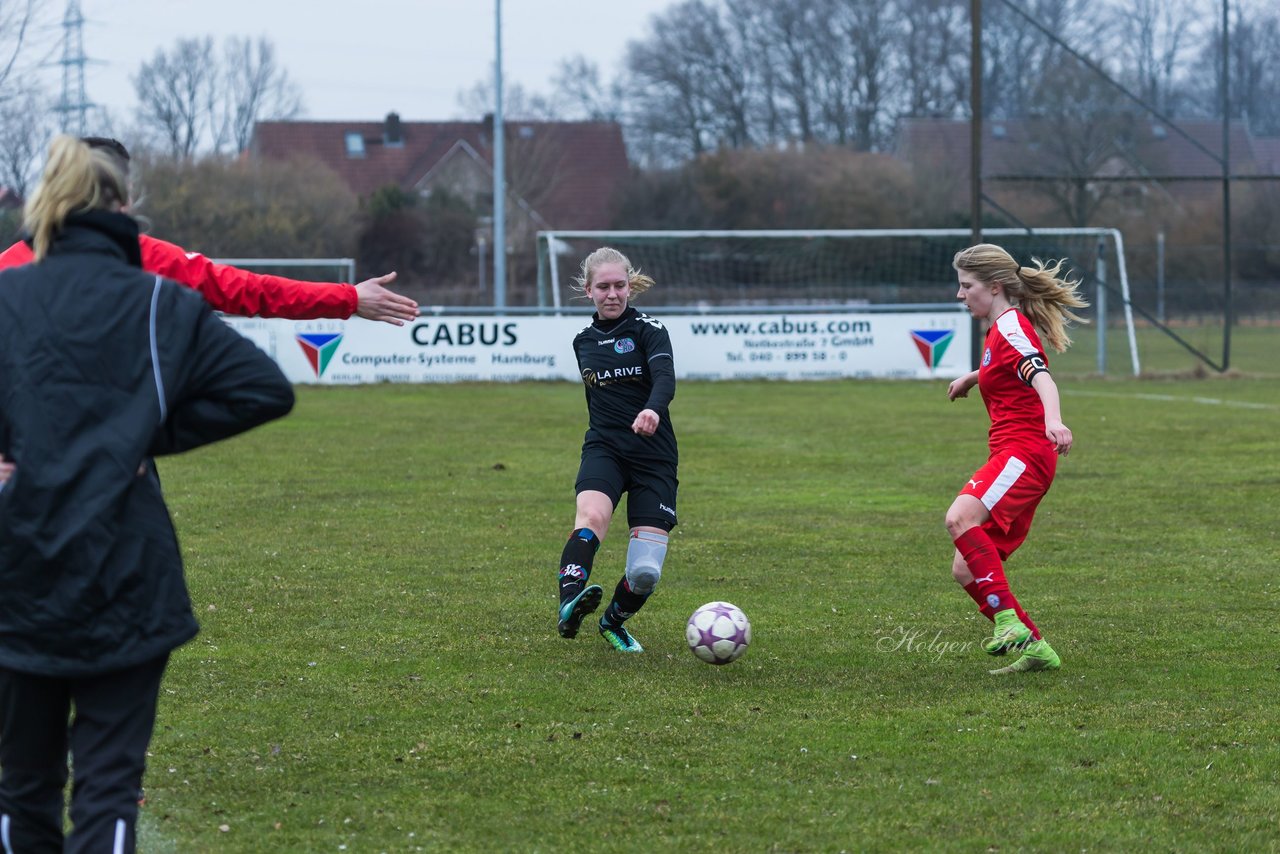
990, 517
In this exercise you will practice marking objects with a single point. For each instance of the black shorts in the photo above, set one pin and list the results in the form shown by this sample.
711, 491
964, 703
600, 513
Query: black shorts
650, 485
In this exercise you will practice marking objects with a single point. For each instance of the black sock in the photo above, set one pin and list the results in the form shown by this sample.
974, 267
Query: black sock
575, 562
624, 605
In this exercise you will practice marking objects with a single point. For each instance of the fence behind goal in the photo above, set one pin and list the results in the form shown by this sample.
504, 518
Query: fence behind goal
869, 269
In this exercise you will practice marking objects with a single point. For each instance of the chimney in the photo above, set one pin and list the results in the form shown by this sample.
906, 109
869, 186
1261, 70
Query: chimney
391, 133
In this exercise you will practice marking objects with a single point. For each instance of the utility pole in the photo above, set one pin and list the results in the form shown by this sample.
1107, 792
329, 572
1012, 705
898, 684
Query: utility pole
74, 105
499, 170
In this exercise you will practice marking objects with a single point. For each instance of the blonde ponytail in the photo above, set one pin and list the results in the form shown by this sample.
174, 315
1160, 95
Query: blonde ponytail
1044, 293
76, 179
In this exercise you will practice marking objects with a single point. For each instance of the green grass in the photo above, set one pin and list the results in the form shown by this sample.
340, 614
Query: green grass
379, 669
1253, 351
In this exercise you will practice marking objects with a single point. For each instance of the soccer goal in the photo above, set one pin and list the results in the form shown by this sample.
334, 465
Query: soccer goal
715, 272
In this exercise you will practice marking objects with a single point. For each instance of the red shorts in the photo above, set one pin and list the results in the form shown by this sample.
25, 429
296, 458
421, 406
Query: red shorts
1010, 486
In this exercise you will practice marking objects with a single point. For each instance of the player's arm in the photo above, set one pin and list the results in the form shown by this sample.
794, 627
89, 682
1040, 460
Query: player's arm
1035, 373
662, 375
213, 385
960, 386
16, 255
241, 292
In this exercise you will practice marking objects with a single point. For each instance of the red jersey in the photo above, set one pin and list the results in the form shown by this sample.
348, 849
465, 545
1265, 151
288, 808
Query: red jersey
1015, 409
230, 289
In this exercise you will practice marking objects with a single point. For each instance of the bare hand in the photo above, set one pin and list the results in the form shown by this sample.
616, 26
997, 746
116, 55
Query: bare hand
1060, 435
375, 302
646, 423
959, 387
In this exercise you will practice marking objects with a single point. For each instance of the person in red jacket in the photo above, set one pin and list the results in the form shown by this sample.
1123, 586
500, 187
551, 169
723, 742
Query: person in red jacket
235, 291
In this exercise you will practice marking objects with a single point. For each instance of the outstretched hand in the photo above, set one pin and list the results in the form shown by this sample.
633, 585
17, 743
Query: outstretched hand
6, 470
375, 302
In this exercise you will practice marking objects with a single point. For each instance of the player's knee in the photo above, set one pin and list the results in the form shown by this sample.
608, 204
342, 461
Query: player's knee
645, 554
959, 520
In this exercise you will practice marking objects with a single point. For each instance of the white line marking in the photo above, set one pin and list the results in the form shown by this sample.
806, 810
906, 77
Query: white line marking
1173, 398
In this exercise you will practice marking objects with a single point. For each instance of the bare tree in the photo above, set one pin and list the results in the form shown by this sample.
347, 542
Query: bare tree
580, 92
1019, 57
1254, 66
780, 37
256, 88
1151, 39
692, 82
933, 62
18, 18
855, 79
25, 130
1086, 130
176, 91
517, 102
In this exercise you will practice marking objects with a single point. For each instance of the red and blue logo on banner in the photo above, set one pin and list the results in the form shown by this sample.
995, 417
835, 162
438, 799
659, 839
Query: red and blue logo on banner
932, 343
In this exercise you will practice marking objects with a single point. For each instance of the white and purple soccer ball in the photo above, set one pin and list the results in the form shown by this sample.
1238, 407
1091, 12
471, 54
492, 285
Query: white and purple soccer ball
718, 632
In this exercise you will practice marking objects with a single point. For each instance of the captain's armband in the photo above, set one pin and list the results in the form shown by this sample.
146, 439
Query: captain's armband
1029, 366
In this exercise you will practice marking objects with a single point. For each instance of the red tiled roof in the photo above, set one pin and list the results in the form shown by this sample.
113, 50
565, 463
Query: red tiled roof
585, 161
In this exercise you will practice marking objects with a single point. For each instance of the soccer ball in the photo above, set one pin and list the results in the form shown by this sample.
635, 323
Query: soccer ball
718, 633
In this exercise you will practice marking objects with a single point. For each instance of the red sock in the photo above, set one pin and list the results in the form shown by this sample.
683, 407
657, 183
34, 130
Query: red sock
986, 610
989, 588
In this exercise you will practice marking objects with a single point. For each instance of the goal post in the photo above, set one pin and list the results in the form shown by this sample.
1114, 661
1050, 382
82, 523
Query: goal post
717, 271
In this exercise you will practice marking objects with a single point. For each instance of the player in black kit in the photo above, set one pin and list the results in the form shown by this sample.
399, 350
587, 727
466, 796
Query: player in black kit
630, 378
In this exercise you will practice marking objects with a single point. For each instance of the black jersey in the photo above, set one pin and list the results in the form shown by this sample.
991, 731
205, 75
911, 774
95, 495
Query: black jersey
627, 366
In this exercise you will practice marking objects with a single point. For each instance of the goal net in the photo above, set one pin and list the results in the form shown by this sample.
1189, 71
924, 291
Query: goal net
867, 269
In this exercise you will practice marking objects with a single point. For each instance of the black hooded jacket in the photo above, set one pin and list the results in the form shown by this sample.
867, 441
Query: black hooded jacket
102, 367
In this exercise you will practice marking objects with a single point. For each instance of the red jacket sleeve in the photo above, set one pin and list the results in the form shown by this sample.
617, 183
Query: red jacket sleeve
16, 255
236, 291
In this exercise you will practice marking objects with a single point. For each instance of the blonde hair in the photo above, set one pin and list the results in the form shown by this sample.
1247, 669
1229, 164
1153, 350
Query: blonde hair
1044, 293
638, 281
76, 179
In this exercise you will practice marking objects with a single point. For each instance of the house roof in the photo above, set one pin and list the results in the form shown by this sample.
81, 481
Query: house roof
1008, 147
583, 162
1267, 150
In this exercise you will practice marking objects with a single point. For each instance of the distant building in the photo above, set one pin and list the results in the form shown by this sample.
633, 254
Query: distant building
1159, 158
559, 174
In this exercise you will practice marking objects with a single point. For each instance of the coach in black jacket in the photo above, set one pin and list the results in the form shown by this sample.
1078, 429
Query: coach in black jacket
102, 367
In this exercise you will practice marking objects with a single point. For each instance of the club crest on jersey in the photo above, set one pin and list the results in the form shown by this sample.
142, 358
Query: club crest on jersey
624, 345
319, 341
986, 357
932, 343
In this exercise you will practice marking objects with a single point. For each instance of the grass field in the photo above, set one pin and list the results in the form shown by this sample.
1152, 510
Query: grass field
378, 668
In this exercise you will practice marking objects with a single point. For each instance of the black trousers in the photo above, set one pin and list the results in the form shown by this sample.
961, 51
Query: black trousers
108, 737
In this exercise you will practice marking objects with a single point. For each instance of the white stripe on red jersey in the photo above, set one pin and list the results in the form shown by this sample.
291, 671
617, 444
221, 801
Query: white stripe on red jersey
1017, 415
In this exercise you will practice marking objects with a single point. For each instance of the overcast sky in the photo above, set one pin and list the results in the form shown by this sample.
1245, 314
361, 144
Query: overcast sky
360, 59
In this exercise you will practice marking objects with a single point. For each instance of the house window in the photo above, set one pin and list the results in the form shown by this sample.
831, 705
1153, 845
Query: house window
526, 132
355, 144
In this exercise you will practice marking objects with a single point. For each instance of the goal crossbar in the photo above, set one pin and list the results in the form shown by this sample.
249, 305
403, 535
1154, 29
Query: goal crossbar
549, 245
